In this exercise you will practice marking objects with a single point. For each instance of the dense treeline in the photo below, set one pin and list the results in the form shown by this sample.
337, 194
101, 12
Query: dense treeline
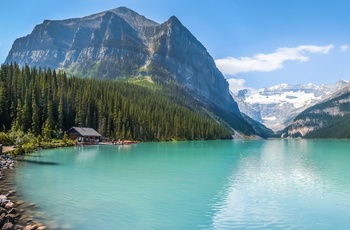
47, 102
335, 127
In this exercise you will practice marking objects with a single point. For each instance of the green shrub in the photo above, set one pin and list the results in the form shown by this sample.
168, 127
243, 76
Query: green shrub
29, 147
5, 139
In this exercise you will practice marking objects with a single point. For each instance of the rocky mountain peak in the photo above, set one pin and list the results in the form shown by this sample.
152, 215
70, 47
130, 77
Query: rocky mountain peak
174, 21
137, 21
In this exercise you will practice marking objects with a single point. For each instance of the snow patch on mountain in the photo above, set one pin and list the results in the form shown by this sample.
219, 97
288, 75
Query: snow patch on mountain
269, 118
298, 99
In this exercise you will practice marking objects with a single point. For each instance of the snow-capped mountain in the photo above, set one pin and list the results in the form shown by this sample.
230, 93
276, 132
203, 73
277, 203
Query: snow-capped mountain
278, 105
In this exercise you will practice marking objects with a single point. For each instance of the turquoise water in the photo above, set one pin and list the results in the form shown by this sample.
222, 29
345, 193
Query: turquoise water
269, 184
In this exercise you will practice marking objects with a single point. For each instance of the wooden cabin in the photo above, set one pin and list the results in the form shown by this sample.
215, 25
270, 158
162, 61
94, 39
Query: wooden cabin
83, 135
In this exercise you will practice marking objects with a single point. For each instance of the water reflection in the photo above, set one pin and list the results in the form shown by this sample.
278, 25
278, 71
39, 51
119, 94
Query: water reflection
86, 153
273, 187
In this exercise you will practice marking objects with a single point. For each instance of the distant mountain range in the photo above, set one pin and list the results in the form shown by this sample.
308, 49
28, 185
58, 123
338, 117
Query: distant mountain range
278, 105
121, 44
327, 119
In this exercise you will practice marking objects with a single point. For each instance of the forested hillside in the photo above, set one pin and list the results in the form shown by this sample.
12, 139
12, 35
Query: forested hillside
47, 102
329, 119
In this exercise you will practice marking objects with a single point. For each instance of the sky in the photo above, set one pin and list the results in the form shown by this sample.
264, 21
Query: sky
255, 43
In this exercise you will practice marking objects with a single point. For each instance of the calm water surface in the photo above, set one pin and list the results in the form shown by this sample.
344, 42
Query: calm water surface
270, 184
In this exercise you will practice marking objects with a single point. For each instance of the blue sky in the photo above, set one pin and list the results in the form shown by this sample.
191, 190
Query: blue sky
256, 43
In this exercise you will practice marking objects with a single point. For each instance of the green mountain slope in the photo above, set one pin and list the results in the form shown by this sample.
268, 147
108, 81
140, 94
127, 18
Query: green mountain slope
329, 119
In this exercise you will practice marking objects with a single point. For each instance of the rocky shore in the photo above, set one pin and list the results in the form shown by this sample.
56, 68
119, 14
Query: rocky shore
13, 212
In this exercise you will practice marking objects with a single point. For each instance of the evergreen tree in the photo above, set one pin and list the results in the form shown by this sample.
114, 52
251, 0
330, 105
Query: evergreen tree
35, 118
60, 114
2, 104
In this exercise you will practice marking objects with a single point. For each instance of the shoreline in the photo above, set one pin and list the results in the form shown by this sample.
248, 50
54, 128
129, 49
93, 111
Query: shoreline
14, 212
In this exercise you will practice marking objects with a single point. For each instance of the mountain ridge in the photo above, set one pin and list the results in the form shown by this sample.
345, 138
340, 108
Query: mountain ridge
278, 105
327, 119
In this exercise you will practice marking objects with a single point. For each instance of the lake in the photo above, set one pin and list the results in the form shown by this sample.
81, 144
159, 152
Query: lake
236, 184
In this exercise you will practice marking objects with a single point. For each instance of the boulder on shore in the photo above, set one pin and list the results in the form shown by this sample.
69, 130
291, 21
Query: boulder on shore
8, 226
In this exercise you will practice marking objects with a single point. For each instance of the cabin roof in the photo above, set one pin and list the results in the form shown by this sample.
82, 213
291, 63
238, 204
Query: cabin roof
84, 131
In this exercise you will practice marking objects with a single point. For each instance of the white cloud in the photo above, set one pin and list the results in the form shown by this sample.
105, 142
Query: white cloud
344, 48
236, 84
269, 62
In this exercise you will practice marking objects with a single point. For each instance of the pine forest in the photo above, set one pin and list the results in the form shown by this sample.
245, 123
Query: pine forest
47, 102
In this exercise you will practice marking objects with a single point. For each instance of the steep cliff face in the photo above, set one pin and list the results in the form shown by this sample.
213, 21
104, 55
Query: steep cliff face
327, 119
187, 60
121, 43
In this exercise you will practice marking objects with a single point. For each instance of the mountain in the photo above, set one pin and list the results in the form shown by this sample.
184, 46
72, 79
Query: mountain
278, 105
120, 43
327, 119
87, 46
